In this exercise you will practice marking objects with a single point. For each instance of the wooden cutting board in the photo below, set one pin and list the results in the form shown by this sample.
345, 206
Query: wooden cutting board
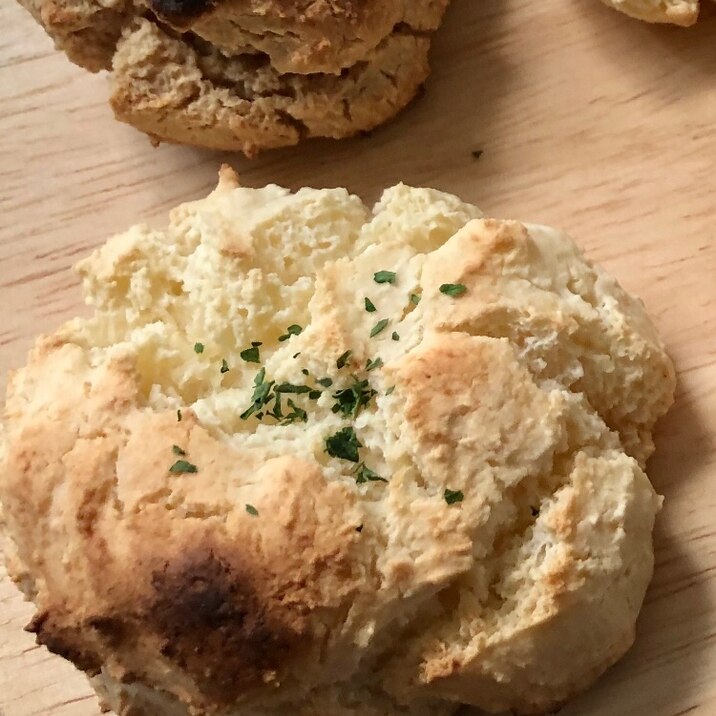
587, 120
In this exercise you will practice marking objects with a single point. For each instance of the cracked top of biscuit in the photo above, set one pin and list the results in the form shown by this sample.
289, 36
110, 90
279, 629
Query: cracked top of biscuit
393, 452
249, 75
307, 37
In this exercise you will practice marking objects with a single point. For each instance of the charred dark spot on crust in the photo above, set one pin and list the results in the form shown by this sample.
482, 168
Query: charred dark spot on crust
65, 641
215, 627
181, 13
112, 629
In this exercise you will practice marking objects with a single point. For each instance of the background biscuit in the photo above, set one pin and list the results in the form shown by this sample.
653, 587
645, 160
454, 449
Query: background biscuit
243, 75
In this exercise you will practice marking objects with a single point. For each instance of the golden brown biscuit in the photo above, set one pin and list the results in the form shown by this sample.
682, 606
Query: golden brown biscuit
87, 30
301, 36
305, 458
246, 75
193, 94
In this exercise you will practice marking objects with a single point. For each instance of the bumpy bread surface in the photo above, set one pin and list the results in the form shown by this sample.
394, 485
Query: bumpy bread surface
87, 30
677, 12
297, 36
246, 75
301, 36
193, 94
533, 394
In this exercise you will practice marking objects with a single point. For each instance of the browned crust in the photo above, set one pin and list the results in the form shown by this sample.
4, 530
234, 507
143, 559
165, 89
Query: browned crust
69, 642
282, 71
215, 626
204, 618
241, 105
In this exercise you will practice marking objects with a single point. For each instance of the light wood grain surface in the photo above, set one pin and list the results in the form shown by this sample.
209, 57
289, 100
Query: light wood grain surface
588, 121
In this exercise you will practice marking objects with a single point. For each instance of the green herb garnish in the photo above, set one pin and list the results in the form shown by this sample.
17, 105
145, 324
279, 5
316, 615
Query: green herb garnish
369, 306
260, 396
296, 414
344, 445
390, 390
365, 474
373, 364
395, 336
266, 392
453, 289
292, 330
252, 510
251, 355
224, 366
343, 360
290, 388
378, 327
276, 412
415, 299
384, 277
452, 496
350, 400
180, 467
325, 382
198, 348
178, 451
178, 416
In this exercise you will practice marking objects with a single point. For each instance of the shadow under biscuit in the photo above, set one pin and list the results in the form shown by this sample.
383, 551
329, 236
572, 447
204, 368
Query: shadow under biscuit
662, 49
666, 664
470, 76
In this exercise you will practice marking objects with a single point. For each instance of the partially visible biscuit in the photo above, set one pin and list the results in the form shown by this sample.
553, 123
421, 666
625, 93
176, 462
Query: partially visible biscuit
86, 30
191, 93
246, 75
677, 12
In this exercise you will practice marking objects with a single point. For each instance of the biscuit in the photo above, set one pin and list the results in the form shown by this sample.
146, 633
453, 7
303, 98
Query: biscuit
86, 30
193, 94
304, 36
677, 12
246, 75
309, 458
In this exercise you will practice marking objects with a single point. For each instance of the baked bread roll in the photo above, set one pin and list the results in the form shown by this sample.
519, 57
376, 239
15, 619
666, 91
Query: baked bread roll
303, 36
308, 458
246, 75
193, 94
677, 12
